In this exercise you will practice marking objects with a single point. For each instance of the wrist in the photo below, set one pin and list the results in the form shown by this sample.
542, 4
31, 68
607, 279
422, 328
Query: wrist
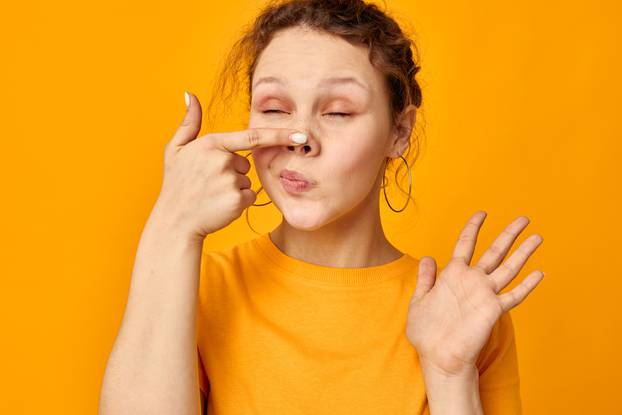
446, 363
449, 369
166, 253
163, 223
433, 371
452, 393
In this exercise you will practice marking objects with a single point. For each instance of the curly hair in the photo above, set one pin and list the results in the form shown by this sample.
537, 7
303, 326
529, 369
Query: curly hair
360, 23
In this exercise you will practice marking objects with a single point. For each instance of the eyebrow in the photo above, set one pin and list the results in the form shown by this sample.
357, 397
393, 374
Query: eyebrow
324, 82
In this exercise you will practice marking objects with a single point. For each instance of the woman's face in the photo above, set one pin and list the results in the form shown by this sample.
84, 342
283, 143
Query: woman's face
344, 155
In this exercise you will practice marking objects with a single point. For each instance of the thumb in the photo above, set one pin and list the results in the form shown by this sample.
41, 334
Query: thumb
191, 124
426, 277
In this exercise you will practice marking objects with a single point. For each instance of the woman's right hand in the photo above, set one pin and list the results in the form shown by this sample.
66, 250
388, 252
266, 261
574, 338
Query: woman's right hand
205, 186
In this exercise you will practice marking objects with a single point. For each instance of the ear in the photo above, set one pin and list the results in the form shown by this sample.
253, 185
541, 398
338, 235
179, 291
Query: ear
402, 131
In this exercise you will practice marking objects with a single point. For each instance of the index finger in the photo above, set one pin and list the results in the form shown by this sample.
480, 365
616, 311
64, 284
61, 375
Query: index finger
257, 137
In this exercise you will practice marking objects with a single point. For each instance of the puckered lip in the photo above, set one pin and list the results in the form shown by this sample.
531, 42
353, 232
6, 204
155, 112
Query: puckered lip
294, 175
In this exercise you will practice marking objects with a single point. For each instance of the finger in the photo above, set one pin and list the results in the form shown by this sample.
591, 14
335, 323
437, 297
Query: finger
243, 182
500, 247
249, 196
191, 124
510, 268
256, 137
466, 241
426, 277
241, 164
516, 296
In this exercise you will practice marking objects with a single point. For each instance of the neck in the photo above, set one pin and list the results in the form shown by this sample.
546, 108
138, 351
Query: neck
354, 240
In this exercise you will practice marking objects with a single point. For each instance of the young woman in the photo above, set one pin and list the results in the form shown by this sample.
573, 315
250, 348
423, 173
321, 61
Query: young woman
321, 315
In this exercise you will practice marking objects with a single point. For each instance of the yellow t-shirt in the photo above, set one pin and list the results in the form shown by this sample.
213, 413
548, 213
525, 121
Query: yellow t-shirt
277, 335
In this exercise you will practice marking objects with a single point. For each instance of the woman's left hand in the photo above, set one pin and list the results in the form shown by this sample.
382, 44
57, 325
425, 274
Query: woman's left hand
450, 318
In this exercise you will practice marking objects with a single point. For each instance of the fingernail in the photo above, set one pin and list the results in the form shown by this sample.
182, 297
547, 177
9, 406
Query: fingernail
298, 138
187, 98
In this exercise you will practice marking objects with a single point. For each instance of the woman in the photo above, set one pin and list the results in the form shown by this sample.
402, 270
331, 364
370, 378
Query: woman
321, 315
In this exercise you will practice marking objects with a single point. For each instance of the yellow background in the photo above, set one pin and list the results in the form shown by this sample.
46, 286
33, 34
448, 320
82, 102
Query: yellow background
522, 104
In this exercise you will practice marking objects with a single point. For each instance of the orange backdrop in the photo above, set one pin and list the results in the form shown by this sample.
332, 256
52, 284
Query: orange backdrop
521, 104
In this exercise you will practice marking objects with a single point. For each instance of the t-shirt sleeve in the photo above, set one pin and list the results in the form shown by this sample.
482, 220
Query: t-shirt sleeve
499, 383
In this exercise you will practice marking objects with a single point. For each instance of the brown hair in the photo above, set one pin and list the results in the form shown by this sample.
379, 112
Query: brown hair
357, 22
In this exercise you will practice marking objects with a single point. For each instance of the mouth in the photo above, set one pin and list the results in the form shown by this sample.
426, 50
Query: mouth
293, 175
295, 182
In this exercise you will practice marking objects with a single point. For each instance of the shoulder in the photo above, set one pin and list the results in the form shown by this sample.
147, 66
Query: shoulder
229, 262
225, 257
222, 274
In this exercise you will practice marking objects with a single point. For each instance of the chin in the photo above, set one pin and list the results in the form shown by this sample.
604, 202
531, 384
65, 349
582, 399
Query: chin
304, 218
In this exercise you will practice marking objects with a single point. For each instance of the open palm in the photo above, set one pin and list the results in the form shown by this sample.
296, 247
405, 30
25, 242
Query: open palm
451, 317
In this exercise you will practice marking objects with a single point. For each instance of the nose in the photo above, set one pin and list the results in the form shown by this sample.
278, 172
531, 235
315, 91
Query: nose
310, 148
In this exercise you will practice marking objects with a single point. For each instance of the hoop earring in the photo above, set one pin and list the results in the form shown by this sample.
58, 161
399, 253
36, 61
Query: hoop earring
260, 204
384, 187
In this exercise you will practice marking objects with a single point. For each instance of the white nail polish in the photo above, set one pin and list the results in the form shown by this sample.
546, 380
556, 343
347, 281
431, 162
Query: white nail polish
298, 138
187, 98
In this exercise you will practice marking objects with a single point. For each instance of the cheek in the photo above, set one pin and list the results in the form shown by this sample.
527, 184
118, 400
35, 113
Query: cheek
262, 157
356, 162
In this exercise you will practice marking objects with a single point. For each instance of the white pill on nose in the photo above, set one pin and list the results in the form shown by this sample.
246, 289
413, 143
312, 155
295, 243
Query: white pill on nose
298, 138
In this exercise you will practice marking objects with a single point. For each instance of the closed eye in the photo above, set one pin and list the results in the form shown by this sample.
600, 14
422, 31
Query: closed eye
338, 114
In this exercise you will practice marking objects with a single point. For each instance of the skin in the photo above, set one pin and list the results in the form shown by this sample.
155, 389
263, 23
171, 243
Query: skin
451, 316
337, 223
205, 188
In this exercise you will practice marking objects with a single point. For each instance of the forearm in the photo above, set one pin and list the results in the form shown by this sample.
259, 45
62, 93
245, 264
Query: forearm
453, 395
152, 365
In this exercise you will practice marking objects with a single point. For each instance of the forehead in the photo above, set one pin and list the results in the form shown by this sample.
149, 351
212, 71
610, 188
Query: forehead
318, 59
